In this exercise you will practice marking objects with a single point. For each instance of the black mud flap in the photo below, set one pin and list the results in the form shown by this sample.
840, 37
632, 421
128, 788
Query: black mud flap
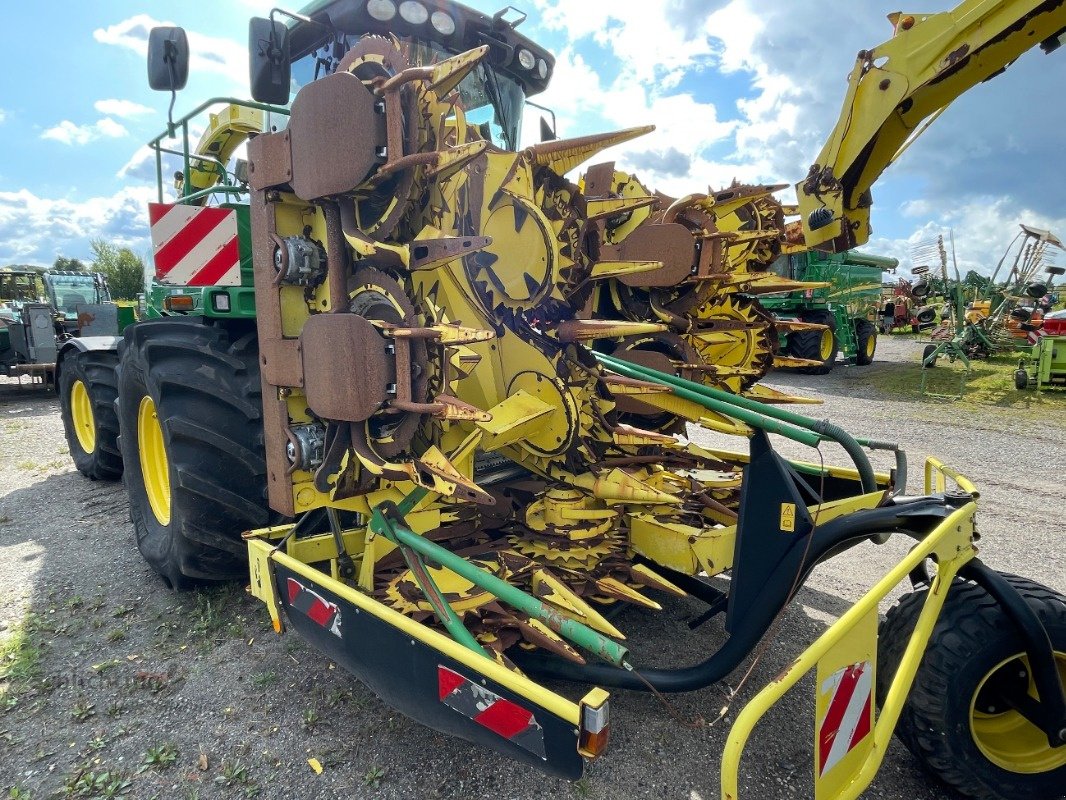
425, 684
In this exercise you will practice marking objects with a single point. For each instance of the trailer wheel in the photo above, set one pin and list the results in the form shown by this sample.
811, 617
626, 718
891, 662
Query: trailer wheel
1021, 379
88, 387
865, 342
926, 352
192, 439
954, 720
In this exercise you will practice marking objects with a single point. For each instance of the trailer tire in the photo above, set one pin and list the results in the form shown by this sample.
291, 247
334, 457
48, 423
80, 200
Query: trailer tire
865, 342
1021, 379
926, 352
950, 720
192, 439
88, 387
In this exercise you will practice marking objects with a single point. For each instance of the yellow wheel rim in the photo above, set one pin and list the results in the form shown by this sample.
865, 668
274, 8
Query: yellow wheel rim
1008, 739
155, 468
81, 415
825, 346
871, 345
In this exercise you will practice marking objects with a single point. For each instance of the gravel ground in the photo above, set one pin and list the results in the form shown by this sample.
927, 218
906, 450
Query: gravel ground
125, 688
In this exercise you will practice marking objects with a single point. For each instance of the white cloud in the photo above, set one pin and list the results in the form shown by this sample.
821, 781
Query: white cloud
123, 109
35, 229
206, 53
66, 132
3, 116
982, 228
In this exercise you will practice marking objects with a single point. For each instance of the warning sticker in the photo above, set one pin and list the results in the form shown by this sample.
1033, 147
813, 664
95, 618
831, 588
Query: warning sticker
788, 517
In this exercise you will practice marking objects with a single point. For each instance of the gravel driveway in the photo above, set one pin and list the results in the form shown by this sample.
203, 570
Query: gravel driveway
121, 688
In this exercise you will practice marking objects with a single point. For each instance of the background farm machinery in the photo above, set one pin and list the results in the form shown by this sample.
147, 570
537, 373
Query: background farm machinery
457, 410
847, 305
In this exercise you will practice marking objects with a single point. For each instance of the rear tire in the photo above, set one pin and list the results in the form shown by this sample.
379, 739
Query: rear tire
865, 342
929, 348
192, 439
1021, 379
951, 721
88, 387
815, 345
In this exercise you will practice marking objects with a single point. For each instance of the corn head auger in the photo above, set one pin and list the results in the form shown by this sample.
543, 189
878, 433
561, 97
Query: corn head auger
470, 455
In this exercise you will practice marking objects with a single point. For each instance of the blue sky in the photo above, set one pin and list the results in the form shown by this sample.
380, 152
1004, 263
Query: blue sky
738, 89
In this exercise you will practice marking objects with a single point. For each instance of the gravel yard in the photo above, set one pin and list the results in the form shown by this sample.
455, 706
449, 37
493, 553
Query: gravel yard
117, 687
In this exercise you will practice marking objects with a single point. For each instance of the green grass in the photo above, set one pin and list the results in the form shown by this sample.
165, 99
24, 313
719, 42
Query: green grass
20, 657
990, 383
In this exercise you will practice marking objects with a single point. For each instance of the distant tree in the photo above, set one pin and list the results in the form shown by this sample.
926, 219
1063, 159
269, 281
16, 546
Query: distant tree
123, 269
69, 264
975, 280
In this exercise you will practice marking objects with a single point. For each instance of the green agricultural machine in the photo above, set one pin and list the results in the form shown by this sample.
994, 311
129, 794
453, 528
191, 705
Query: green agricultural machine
847, 306
391, 403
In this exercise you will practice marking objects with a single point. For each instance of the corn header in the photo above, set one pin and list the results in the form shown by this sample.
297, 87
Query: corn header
439, 412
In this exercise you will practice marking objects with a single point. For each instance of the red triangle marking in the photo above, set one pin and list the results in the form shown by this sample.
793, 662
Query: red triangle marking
505, 718
448, 681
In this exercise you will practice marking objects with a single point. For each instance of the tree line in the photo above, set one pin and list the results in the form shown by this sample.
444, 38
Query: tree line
123, 269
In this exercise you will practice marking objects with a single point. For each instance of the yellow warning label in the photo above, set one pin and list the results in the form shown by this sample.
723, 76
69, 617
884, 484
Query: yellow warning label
788, 517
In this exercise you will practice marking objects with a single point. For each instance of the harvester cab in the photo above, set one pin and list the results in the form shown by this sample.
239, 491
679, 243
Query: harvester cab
482, 403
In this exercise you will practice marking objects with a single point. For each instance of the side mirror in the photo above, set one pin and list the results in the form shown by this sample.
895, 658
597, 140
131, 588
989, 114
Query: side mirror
547, 132
168, 59
268, 61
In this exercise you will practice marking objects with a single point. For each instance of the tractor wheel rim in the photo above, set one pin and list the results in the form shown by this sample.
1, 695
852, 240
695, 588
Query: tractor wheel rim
871, 345
81, 415
1008, 739
825, 345
155, 468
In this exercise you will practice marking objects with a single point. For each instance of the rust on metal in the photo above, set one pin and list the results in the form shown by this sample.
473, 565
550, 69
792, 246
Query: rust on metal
346, 367
334, 115
269, 160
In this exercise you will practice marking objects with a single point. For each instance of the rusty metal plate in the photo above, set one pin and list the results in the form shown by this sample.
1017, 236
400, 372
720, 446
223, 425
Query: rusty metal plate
335, 136
269, 160
346, 368
670, 243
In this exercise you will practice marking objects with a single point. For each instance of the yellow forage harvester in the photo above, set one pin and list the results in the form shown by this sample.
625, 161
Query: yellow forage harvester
437, 410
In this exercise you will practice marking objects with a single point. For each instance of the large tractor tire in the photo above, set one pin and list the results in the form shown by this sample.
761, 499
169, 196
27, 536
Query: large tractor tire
954, 721
192, 440
88, 387
865, 342
816, 345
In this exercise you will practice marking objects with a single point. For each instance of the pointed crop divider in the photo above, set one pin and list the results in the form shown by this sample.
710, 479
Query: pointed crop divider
551, 590
387, 520
618, 590
585, 330
606, 207
562, 155
434, 253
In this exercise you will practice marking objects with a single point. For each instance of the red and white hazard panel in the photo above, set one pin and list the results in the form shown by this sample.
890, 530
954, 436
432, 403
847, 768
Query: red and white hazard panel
848, 715
309, 602
499, 715
195, 245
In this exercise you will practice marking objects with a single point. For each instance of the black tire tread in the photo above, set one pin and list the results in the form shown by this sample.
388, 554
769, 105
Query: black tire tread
97, 370
864, 331
971, 617
208, 396
808, 344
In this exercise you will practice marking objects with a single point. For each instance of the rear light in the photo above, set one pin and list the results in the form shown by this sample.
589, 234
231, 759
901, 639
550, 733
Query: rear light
178, 303
595, 724
220, 302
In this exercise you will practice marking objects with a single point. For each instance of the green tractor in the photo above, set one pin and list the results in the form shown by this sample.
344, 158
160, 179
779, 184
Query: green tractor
846, 306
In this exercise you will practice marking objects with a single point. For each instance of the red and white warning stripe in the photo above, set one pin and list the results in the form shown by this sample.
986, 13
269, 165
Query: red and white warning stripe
848, 717
320, 610
195, 245
499, 715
